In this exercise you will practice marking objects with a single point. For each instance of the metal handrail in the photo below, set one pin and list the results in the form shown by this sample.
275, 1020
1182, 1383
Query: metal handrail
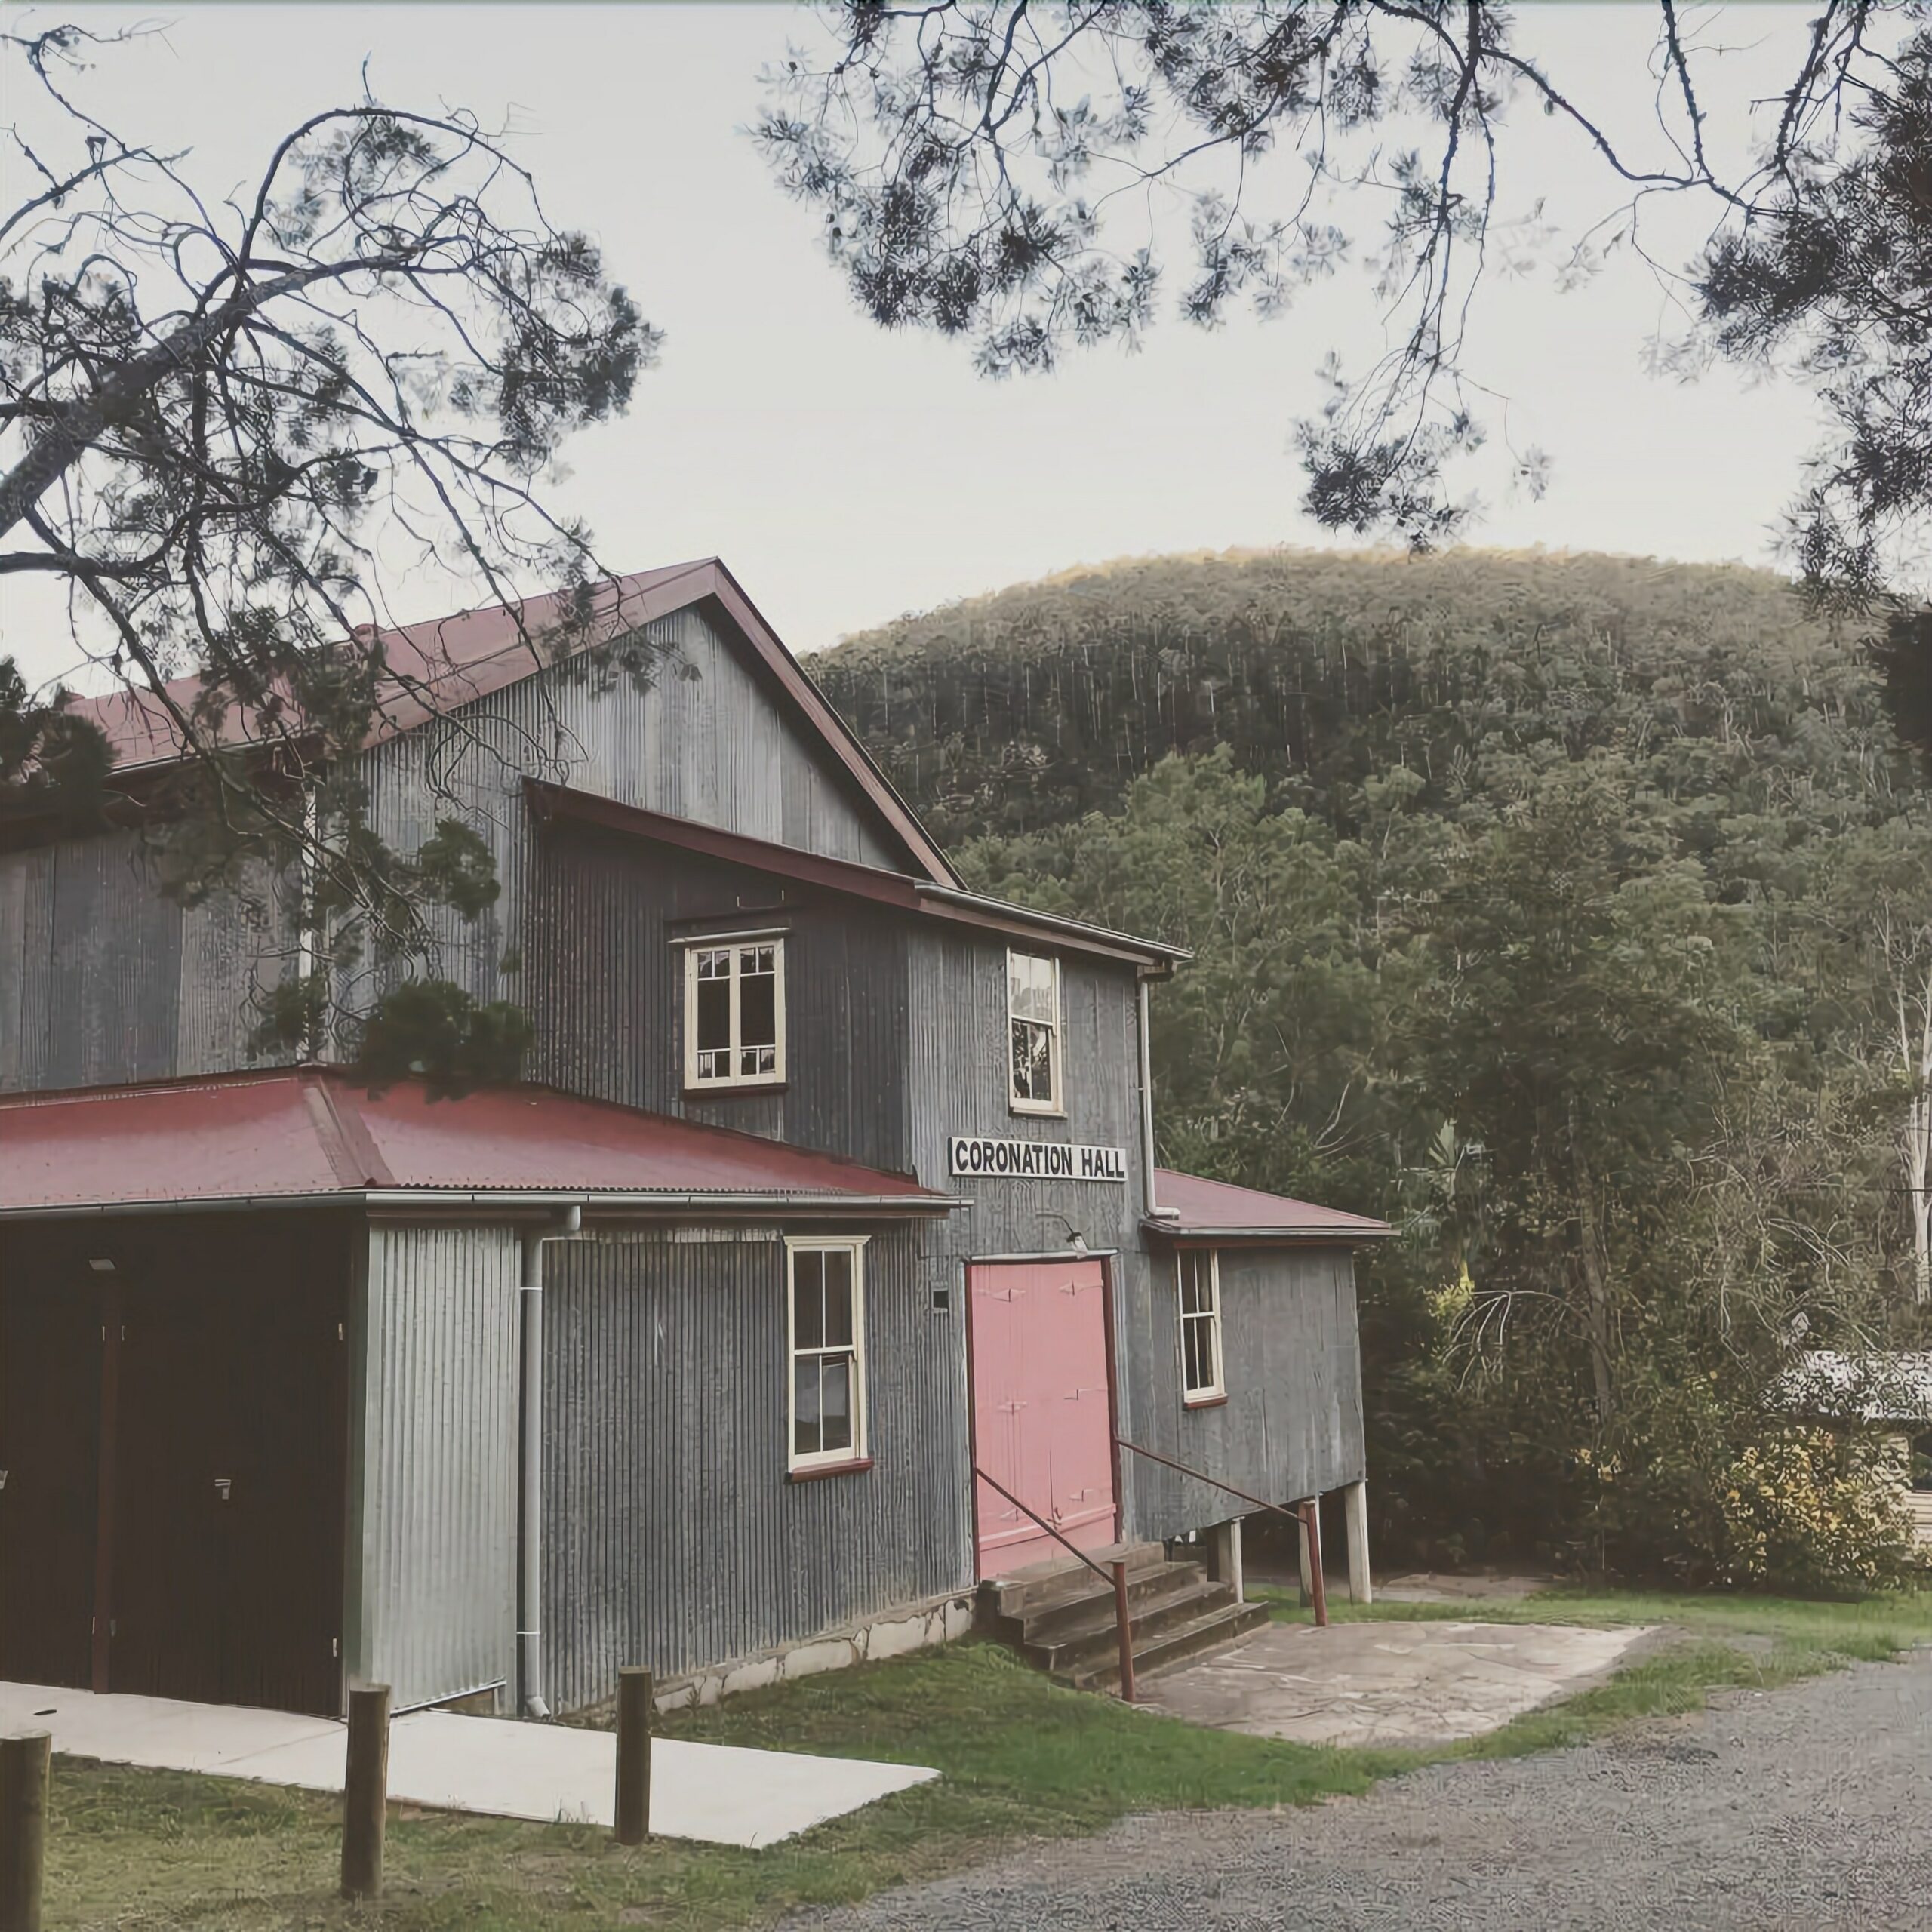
1123, 1623
1307, 1514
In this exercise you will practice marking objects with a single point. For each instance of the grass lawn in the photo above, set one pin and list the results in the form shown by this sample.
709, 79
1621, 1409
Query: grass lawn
1021, 1758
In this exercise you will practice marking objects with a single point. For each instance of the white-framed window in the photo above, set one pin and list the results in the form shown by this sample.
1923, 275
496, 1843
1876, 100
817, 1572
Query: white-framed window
825, 1297
1033, 1031
1200, 1377
734, 1010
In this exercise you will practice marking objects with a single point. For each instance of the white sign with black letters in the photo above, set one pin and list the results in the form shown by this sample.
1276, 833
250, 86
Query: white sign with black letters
974, 1157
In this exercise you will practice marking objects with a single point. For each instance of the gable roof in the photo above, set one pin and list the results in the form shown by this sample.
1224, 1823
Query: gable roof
444, 662
312, 1135
1192, 1208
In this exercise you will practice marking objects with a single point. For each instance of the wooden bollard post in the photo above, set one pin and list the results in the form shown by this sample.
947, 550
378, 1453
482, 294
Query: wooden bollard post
635, 1708
22, 1829
365, 1788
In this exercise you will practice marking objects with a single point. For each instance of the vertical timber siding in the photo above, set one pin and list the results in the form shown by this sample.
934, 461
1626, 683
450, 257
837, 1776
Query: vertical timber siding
432, 1482
672, 1538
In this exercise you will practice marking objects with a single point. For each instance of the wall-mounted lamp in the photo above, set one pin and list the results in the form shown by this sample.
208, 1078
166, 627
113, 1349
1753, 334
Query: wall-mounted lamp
101, 1264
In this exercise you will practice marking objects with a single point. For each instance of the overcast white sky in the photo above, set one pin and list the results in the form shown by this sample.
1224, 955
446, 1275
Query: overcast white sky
847, 475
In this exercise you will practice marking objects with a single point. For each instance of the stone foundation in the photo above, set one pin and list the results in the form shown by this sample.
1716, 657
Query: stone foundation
892, 1633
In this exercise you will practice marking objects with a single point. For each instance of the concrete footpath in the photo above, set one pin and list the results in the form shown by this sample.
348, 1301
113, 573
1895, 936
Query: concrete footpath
717, 1793
1389, 1684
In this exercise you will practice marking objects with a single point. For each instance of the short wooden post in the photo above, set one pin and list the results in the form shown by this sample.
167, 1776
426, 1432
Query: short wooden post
22, 1829
635, 1708
1123, 1634
365, 1789
1301, 1552
1311, 1517
1361, 1590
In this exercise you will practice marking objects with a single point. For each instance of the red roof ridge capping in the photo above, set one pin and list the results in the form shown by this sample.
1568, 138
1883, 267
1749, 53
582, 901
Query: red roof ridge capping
1192, 1207
470, 654
311, 1134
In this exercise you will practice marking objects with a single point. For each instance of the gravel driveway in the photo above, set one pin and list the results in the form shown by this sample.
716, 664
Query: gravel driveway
1809, 1807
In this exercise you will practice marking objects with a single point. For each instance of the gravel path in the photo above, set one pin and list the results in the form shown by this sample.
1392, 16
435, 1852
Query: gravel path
1809, 1807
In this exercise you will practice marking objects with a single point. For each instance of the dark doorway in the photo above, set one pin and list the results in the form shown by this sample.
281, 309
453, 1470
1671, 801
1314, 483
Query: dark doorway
50, 1350
223, 1438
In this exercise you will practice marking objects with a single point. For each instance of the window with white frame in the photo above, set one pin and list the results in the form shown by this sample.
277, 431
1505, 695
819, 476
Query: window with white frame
1032, 1007
826, 1297
734, 1012
1200, 1325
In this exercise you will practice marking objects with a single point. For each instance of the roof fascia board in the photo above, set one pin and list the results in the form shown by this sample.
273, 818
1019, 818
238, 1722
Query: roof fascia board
800, 686
918, 897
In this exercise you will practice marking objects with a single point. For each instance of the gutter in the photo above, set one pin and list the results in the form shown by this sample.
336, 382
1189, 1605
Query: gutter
630, 1203
1331, 1236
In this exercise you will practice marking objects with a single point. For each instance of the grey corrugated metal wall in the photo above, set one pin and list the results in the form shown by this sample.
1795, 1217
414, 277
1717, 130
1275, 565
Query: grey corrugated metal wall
704, 740
1292, 1425
103, 981
672, 1538
433, 1478
607, 1008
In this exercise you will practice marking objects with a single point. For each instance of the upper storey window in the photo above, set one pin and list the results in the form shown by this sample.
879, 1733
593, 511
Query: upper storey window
1033, 1031
734, 1012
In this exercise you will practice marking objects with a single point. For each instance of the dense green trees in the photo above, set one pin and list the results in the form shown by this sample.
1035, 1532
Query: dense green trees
1574, 912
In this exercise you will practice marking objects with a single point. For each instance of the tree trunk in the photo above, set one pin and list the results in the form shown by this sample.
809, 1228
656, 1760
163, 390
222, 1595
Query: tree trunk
1917, 1139
1596, 1286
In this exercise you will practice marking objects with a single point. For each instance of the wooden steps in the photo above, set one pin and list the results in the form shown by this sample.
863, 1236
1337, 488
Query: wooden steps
1060, 1616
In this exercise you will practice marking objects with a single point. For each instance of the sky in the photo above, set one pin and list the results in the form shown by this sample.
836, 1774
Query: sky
847, 475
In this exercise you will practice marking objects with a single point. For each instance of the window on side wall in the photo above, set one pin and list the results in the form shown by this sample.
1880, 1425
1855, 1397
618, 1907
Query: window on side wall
826, 1297
734, 1012
1033, 1030
1200, 1377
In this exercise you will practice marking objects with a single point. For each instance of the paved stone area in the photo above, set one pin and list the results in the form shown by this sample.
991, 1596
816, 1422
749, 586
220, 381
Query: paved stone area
1388, 1683
1803, 1810
722, 1794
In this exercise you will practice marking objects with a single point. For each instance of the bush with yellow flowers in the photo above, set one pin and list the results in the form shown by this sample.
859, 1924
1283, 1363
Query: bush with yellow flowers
1807, 1510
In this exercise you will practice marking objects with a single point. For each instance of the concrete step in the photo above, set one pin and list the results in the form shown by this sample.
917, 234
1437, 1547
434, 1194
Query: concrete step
1061, 1579
1094, 1605
1096, 1639
1216, 1630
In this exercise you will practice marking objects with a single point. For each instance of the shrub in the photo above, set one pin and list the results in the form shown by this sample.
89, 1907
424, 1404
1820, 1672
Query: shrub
1805, 1509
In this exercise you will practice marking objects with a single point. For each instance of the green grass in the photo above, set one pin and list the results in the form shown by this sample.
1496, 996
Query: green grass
1020, 1757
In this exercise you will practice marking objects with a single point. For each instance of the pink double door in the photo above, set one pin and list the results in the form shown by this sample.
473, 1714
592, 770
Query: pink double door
1042, 1421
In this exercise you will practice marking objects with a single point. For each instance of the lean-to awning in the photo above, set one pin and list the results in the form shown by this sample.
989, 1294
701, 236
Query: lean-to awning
1193, 1209
310, 1135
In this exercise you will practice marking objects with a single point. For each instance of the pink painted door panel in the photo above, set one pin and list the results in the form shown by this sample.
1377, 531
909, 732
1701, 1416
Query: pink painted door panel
1041, 1424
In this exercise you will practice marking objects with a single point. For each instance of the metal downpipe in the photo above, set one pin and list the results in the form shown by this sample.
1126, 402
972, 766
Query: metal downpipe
530, 1467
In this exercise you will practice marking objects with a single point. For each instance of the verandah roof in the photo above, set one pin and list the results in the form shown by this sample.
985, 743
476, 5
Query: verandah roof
1195, 1209
312, 1134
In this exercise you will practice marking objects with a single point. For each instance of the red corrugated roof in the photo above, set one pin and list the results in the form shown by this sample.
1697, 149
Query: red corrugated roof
448, 661
1208, 1207
305, 1133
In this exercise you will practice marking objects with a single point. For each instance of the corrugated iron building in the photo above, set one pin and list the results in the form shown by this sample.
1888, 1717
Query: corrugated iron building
669, 1358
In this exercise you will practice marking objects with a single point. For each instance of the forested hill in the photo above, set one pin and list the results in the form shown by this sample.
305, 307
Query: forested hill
1020, 710
1564, 910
